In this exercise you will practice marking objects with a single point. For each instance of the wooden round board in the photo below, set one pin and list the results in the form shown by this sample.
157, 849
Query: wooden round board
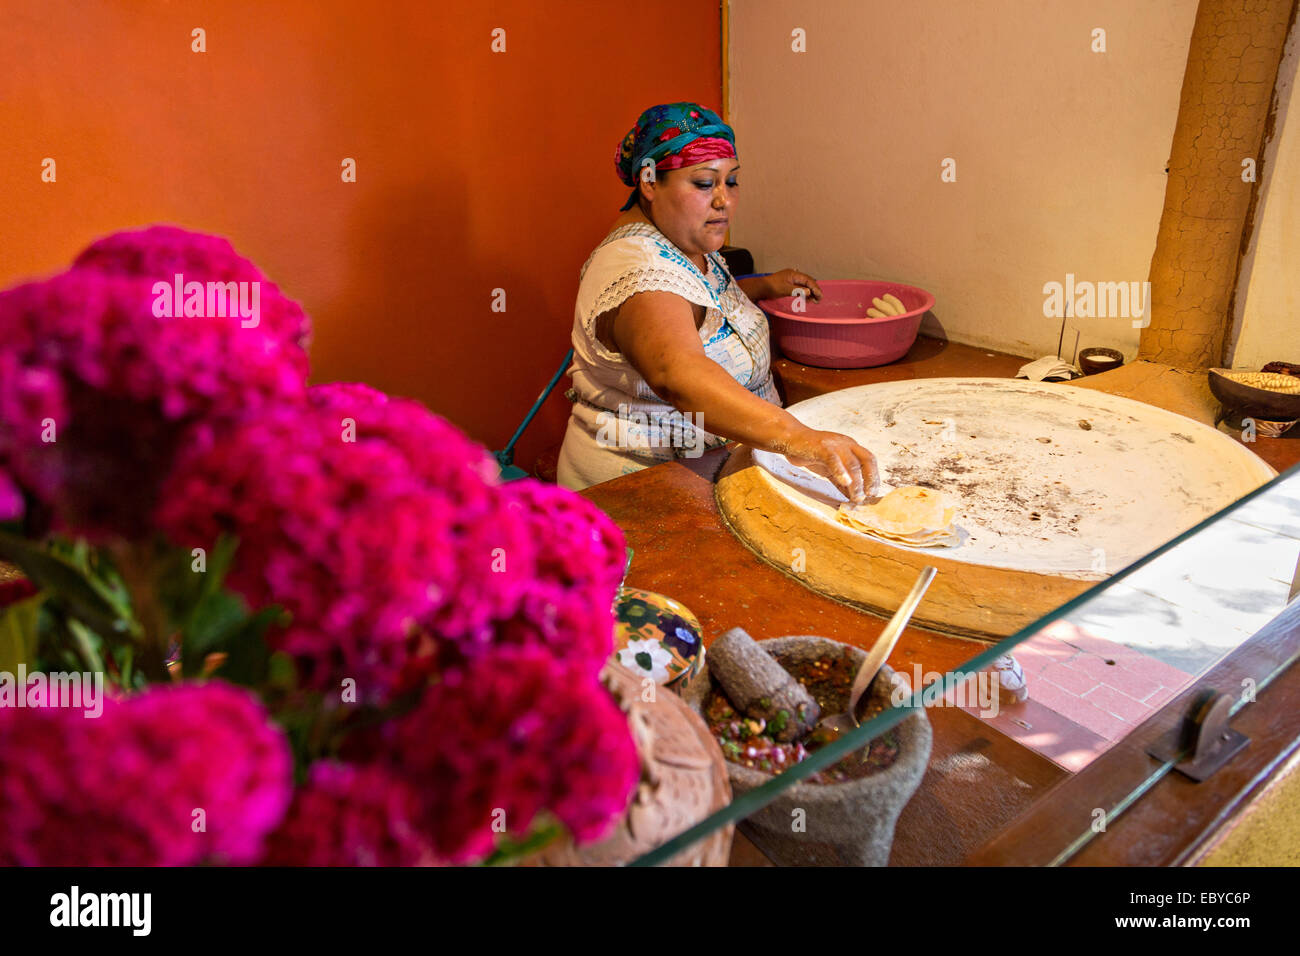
1055, 488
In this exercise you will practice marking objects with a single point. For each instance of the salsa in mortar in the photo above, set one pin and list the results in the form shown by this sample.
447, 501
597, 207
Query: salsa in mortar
829, 678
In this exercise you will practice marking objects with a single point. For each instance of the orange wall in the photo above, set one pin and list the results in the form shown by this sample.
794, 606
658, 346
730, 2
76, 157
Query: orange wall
476, 170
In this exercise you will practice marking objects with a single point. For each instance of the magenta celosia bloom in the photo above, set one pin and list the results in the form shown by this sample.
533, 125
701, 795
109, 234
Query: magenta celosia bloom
158, 253
378, 524
442, 458
176, 776
347, 815
341, 532
579, 547
11, 499
514, 733
559, 589
96, 393
573, 626
438, 452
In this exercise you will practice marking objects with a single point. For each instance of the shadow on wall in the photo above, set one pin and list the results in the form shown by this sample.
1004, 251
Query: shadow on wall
932, 326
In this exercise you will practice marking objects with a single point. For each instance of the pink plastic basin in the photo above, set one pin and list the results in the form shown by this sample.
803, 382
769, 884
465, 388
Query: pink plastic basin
837, 332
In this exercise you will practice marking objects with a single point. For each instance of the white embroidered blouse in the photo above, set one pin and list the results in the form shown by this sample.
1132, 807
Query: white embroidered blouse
634, 258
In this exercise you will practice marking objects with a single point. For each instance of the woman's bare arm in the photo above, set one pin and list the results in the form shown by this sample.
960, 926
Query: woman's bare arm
756, 288
656, 332
774, 285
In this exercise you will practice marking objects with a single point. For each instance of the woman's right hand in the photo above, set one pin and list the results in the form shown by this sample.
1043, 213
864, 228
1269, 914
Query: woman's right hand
847, 464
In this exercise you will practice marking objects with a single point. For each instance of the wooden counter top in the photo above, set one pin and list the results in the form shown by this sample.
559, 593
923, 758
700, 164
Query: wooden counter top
978, 780
933, 358
927, 358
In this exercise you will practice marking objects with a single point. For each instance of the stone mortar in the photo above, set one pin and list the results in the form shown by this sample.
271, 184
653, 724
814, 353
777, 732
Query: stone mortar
847, 824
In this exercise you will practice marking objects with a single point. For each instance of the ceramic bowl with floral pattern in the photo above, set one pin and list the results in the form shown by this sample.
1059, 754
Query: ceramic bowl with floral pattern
657, 637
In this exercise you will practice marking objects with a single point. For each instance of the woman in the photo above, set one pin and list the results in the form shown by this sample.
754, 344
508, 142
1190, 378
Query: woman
671, 355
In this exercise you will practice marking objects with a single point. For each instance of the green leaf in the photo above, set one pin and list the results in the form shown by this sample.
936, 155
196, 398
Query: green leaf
184, 590
131, 678
215, 621
67, 585
19, 635
218, 565
511, 849
281, 672
89, 645
97, 572
249, 660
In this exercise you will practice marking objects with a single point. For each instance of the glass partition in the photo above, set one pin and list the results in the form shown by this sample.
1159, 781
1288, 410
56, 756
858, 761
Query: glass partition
1131, 644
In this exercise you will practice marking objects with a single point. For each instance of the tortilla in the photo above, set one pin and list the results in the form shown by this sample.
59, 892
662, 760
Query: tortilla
913, 515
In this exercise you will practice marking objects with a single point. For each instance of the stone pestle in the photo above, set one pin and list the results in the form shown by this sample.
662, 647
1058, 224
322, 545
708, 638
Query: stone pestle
760, 687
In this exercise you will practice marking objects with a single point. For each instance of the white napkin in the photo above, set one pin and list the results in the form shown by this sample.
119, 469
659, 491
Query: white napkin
1049, 366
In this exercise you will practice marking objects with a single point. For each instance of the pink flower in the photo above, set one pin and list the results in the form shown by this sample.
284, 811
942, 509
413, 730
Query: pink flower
440, 454
556, 589
158, 253
350, 816
377, 523
96, 393
508, 737
579, 546
341, 533
372, 520
11, 499
176, 776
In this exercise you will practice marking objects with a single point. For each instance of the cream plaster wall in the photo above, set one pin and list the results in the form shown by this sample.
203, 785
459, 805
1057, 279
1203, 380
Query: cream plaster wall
1268, 289
1060, 152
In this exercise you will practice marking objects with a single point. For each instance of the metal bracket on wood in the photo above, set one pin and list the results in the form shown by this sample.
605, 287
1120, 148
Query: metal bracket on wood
1204, 737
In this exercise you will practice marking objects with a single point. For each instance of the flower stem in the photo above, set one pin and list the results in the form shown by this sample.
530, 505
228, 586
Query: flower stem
136, 564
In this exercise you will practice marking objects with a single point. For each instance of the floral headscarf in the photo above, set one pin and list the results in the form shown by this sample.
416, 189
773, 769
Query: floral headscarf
674, 136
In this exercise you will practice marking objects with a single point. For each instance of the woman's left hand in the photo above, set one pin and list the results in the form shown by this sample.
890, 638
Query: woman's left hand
786, 281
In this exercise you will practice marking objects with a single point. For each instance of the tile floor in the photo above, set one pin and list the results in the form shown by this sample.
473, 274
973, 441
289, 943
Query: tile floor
1114, 661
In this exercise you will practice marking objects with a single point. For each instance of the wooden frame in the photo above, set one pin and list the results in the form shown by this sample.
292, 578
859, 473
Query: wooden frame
1168, 821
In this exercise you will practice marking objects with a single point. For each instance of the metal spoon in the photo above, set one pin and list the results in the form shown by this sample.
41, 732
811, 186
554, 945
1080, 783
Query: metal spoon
879, 653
